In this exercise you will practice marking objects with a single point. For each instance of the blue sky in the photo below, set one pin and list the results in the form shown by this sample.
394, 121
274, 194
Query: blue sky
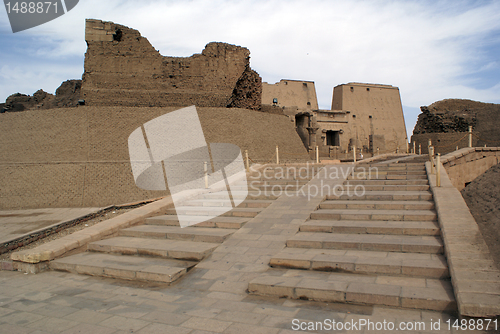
431, 50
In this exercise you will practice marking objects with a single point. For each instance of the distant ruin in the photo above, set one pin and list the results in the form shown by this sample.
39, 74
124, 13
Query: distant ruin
67, 95
447, 122
366, 116
123, 69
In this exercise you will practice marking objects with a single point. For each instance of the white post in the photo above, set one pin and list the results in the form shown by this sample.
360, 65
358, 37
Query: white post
438, 172
419, 149
317, 154
470, 136
354, 153
246, 160
205, 167
456, 149
431, 158
277, 156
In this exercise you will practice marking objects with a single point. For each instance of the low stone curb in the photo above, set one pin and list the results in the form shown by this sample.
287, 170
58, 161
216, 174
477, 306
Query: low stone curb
448, 158
475, 279
36, 259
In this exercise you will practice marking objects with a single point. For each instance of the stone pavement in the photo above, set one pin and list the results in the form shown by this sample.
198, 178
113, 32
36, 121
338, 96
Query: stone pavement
211, 298
17, 223
206, 301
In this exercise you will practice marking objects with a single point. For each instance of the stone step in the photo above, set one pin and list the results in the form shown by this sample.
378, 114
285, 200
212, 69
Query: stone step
268, 188
368, 242
214, 211
379, 173
385, 168
218, 222
395, 165
363, 262
227, 203
164, 248
375, 176
381, 205
372, 227
277, 178
124, 267
384, 196
403, 292
271, 182
250, 195
198, 234
368, 187
374, 214
390, 182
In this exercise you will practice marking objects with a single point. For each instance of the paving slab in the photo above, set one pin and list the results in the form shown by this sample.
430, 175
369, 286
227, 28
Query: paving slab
15, 224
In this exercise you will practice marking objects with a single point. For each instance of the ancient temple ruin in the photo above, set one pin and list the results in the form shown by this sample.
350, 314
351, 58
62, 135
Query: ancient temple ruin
366, 116
123, 69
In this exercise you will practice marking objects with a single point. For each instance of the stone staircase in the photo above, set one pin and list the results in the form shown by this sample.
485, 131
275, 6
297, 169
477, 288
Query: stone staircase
381, 247
160, 250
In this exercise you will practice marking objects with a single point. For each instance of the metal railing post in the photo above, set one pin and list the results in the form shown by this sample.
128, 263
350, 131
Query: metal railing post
354, 153
317, 154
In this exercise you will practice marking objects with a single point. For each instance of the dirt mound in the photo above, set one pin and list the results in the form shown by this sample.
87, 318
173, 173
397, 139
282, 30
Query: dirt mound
454, 115
483, 199
67, 95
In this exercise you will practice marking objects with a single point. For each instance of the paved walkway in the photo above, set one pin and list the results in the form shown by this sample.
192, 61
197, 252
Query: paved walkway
58, 302
212, 298
17, 223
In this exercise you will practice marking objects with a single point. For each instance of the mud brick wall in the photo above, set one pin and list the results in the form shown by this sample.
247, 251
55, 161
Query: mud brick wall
443, 142
78, 157
123, 69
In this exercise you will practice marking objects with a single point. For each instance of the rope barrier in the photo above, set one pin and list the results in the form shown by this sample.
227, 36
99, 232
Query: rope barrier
488, 141
452, 144
274, 155
285, 153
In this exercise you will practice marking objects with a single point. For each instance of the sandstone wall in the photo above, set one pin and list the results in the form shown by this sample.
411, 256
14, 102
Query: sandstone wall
123, 69
291, 93
78, 157
464, 165
372, 110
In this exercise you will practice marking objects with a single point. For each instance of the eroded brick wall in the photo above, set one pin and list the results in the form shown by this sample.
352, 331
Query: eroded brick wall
79, 157
123, 69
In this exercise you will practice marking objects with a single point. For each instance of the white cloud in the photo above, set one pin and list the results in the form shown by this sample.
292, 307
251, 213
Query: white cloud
423, 47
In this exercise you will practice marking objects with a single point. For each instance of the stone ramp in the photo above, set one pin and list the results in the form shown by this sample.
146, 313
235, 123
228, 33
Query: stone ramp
380, 248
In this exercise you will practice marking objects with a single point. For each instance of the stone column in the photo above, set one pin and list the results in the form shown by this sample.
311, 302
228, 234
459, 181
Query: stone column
312, 137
